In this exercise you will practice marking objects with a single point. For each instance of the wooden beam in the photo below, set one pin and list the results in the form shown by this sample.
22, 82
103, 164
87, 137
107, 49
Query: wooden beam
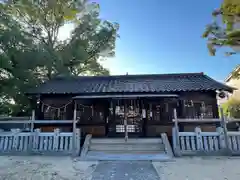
197, 120
37, 122
22, 118
125, 96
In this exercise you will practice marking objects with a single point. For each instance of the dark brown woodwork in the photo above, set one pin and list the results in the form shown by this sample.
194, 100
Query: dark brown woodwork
98, 116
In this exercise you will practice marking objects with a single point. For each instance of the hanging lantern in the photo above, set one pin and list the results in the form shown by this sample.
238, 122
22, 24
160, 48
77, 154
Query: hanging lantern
222, 94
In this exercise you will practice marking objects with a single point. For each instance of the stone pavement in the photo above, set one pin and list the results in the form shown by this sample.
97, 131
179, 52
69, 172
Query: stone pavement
125, 170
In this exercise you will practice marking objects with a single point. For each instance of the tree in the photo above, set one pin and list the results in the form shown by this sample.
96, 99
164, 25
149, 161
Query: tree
16, 54
232, 108
225, 30
30, 49
78, 54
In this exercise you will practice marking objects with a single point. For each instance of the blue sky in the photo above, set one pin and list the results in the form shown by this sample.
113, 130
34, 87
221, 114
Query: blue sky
164, 36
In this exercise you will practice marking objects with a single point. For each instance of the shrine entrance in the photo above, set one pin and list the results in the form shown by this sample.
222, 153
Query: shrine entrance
126, 116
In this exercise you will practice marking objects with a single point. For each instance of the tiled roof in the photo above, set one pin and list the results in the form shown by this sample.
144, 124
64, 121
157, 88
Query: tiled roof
130, 83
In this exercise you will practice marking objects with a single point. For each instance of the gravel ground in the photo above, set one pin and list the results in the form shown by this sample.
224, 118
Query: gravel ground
197, 168
125, 170
66, 168
44, 168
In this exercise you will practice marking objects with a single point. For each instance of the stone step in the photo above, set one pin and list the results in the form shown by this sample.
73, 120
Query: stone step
126, 152
130, 140
119, 149
106, 156
126, 147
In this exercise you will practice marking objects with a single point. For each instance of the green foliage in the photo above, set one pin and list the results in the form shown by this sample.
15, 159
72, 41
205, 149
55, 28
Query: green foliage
225, 30
232, 108
31, 52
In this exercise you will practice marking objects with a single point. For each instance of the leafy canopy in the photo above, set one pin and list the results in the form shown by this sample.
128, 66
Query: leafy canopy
32, 52
225, 29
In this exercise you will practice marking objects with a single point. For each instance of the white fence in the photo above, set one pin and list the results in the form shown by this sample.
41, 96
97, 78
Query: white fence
221, 142
198, 142
206, 143
36, 142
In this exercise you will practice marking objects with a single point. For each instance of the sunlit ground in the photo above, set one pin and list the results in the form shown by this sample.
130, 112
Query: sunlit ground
206, 168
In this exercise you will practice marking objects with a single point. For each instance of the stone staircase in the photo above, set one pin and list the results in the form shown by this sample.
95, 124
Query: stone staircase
132, 149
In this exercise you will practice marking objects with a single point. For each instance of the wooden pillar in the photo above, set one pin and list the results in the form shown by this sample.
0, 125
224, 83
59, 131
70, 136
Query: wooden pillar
125, 122
214, 103
144, 116
32, 130
32, 120
39, 112
113, 120
74, 128
180, 108
176, 133
175, 118
181, 113
144, 123
74, 116
215, 109
108, 115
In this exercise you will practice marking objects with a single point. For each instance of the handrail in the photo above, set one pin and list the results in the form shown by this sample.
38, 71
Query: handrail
37, 121
197, 120
8, 118
202, 120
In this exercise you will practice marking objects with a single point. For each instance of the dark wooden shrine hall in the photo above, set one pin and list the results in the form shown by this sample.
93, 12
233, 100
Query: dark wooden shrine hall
146, 101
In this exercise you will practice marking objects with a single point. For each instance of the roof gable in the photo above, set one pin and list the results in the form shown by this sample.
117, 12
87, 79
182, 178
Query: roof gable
130, 83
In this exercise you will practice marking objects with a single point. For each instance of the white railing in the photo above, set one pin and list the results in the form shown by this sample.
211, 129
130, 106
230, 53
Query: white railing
221, 142
40, 142
198, 142
234, 142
